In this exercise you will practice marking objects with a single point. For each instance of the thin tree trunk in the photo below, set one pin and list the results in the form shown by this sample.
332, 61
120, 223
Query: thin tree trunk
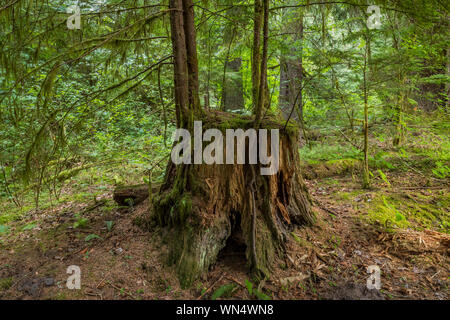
191, 50
263, 70
291, 74
233, 90
400, 127
447, 85
256, 55
300, 76
183, 112
366, 173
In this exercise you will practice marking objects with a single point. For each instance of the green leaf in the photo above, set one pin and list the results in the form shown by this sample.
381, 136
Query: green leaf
80, 223
91, 237
29, 226
3, 229
109, 225
223, 290
261, 296
249, 286
383, 176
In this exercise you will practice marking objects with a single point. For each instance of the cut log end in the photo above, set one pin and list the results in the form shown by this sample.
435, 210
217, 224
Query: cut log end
130, 195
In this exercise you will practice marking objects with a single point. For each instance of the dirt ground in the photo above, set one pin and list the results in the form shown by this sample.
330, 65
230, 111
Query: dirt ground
327, 261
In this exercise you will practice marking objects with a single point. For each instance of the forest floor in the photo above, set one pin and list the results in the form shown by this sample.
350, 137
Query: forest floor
119, 260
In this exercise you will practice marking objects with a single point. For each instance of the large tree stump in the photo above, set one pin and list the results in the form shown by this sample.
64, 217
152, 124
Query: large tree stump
199, 203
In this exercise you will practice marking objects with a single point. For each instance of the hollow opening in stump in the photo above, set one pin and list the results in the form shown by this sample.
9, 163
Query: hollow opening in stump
235, 246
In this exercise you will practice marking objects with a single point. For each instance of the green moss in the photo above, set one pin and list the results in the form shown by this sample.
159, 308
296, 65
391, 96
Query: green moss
322, 169
427, 211
184, 207
67, 174
341, 166
266, 252
6, 283
292, 129
344, 196
387, 214
418, 211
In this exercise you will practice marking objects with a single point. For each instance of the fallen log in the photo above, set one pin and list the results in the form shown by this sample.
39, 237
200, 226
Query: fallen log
132, 195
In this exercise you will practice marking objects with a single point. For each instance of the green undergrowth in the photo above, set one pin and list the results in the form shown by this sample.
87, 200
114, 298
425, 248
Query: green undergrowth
78, 190
425, 149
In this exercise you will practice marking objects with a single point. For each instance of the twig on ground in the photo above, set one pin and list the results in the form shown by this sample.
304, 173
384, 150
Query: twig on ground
235, 280
321, 206
121, 290
207, 290
93, 294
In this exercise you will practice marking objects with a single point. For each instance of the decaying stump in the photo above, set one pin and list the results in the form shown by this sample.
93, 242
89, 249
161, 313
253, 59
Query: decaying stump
198, 203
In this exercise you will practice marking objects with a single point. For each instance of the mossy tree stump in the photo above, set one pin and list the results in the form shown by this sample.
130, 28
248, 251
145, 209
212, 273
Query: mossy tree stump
198, 203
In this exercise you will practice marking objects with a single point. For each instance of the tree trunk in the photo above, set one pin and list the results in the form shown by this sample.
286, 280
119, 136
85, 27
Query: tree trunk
291, 75
233, 91
263, 91
183, 110
191, 51
366, 172
200, 217
256, 54
290, 82
400, 126
447, 85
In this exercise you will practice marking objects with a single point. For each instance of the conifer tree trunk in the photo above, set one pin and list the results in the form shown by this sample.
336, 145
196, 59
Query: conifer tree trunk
291, 74
366, 173
233, 91
256, 54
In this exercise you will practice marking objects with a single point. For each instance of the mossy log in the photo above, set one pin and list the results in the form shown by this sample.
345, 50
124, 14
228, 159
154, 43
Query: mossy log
130, 195
198, 204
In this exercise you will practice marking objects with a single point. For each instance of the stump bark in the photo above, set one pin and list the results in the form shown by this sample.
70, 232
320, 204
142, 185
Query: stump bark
198, 204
